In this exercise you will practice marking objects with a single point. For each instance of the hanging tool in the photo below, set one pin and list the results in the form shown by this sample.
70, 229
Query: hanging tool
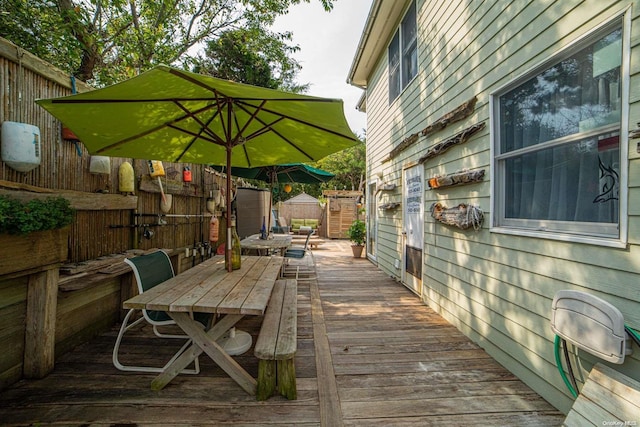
157, 170
66, 132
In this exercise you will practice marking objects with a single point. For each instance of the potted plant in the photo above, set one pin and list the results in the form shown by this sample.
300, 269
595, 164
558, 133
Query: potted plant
357, 233
322, 202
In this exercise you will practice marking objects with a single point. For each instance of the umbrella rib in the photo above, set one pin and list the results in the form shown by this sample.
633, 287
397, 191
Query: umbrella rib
179, 73
125, 101
304, 122
204, 128
269, 127
241, 101
247, 123
229, 101
154, 129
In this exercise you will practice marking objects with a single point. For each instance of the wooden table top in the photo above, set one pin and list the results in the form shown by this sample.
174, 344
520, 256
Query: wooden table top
276, 241
209, 288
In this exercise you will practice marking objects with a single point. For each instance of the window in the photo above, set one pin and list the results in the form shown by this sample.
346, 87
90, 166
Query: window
557, 139
403, 54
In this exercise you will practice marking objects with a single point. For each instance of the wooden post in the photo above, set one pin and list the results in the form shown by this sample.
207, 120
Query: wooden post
40, 323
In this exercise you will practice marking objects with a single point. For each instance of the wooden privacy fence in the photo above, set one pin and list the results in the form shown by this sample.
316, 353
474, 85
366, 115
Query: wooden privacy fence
53, 300
106, 221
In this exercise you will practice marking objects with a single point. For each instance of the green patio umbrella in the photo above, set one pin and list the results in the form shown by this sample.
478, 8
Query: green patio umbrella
173, 115
289, 172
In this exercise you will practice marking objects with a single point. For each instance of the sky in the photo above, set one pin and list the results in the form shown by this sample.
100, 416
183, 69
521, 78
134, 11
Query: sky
328, 42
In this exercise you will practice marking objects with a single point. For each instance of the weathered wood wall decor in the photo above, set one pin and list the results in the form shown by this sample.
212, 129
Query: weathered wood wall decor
389, 206
461, 112
456, 139
463, 216
456, 178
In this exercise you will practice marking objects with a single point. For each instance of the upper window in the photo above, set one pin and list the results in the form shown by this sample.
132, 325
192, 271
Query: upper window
557, 143
403, 54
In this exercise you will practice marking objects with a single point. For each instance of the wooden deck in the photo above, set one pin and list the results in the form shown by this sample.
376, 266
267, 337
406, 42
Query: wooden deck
369, 354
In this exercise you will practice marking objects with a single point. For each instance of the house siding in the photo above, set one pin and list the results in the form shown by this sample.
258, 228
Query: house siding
497, 288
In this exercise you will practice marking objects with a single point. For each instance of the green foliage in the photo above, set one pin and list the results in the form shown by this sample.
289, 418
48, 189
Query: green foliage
36, 215
357, 232
253, 56
348, 166
106, 41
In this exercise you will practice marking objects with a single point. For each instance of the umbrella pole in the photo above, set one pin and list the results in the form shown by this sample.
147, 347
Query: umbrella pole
271, 203
227, 252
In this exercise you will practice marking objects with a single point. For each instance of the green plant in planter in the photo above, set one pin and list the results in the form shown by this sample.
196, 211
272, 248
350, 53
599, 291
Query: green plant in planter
36, 215
357, 232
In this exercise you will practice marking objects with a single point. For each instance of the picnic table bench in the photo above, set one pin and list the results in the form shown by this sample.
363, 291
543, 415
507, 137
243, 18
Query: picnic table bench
277, 342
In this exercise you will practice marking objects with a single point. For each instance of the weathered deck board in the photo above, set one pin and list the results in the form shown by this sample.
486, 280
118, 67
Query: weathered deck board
369, 354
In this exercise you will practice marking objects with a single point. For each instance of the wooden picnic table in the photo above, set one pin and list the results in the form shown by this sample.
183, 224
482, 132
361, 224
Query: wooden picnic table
275, 242
209, 288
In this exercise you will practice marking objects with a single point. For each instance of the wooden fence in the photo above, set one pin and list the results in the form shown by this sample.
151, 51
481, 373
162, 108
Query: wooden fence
51, 306
107, 221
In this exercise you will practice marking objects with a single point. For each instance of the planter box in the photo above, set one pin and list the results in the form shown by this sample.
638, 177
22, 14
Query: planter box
33, 250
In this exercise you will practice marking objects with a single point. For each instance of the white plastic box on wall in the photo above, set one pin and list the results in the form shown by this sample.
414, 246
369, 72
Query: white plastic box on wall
20, 146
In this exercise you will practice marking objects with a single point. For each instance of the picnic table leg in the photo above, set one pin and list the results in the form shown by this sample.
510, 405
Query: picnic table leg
286, 372
266, 379
190, 354
215, 352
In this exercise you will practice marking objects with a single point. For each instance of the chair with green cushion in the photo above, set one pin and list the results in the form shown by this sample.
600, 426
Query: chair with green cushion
151, 270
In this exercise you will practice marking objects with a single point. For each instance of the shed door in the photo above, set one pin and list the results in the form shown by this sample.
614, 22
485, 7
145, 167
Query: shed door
413, 228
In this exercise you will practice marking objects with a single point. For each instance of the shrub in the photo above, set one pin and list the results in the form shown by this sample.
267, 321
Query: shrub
357, 232
36, 215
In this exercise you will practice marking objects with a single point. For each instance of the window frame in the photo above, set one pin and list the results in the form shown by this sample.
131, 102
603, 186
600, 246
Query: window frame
582, 232
405, 49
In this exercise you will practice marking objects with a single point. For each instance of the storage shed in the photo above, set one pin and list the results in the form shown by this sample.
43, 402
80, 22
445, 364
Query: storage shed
341, 211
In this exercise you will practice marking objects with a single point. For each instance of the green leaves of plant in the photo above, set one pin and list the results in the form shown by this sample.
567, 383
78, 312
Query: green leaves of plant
36, 215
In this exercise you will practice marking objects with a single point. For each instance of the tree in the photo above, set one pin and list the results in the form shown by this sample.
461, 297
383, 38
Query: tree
252, 56
104, 41
349, 167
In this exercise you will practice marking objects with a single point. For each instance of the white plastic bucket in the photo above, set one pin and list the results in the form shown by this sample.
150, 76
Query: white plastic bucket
20, 146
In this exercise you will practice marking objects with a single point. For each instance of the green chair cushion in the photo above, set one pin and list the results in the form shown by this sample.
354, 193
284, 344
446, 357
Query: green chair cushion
313, 223
296, 223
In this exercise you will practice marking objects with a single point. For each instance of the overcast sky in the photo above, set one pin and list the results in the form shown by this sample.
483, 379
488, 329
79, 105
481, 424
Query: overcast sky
328, 42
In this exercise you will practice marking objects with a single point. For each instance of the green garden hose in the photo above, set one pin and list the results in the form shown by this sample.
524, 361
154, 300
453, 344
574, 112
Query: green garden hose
559, 364
635, 335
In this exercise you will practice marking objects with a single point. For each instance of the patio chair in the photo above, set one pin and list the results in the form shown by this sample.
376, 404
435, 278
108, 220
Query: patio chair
281, 226
305, 268
151, 270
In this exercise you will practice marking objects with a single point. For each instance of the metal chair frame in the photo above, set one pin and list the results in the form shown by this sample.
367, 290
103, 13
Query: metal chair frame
150, 270
300, 271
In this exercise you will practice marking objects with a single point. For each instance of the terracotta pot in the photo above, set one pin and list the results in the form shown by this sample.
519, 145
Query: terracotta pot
357, 250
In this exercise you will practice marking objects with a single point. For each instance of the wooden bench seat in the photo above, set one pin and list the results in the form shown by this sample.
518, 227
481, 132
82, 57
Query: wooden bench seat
277, 342
607, 398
